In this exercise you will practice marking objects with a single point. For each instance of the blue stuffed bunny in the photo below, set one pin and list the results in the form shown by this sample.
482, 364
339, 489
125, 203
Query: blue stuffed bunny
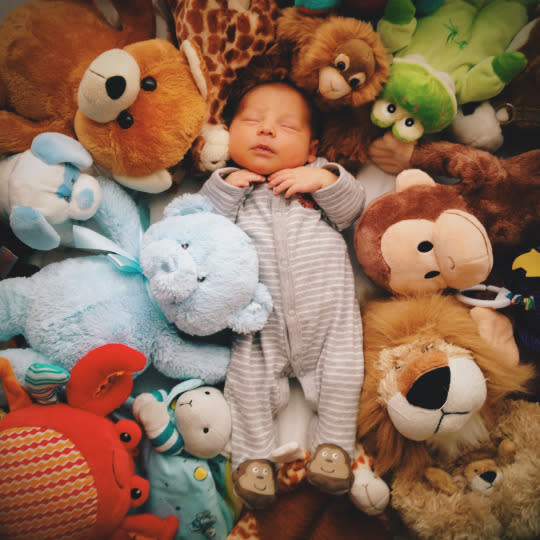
193, 271
43, 190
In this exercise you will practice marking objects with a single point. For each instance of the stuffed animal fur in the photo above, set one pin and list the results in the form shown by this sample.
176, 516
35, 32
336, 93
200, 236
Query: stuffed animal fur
229, 33
434, 391
453, 56
43, 190
490, 496
193, 273
342, 62
46, 48
406, 240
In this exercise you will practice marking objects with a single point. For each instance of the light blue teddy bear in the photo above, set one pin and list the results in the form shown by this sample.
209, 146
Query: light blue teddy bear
194, 271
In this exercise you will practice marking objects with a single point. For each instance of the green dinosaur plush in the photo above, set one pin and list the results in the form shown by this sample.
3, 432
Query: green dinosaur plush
452, 56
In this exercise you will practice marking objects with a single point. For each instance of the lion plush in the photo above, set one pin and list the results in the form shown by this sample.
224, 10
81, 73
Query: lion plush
435, 390
342, 62
135, 103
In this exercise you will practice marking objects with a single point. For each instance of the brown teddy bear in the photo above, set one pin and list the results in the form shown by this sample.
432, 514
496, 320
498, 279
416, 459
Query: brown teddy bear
411, 240
436, 390
342, 62
143, 102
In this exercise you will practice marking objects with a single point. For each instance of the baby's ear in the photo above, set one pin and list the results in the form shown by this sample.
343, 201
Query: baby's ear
313, 145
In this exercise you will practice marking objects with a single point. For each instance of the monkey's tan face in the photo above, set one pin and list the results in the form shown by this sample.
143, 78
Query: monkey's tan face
257, 477
330, 460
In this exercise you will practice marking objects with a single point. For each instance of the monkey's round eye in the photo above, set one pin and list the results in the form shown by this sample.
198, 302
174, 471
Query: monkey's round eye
265, 471
342, 62
357, 80
255, 469
385, 113
408, 129
149, 84
425, 246
335, 455
324, 453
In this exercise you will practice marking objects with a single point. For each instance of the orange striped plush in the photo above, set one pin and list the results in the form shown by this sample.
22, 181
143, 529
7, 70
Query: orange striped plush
45, 485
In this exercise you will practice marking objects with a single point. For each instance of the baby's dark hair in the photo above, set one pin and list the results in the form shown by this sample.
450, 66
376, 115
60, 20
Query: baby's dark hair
263, 70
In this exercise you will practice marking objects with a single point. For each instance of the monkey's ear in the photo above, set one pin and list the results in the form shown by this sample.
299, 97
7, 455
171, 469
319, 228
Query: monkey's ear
413, 177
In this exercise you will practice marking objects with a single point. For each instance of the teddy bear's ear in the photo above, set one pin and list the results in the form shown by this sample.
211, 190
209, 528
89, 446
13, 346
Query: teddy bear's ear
54, 148
197, 65
189, 203
254, 315
413, 177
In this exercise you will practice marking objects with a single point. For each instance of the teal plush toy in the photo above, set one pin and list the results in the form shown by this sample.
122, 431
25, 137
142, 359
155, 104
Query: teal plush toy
452, 56
193, 271
185, 458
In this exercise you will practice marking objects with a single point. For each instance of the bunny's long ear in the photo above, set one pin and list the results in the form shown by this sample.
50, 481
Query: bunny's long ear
54, 148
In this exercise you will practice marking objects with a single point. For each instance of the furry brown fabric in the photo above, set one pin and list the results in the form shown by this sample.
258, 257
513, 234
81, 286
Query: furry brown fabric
510, 510
45, 47
315, 44
504, 194
308, 514
390, 323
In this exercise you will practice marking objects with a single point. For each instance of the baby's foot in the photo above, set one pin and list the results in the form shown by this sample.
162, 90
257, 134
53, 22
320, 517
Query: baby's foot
330, 469
255, 483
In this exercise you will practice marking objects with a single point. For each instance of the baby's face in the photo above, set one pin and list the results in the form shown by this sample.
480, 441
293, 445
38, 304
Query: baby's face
271, 130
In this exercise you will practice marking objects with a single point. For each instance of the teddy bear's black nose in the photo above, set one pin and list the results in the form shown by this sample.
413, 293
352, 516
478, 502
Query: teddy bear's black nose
430, 390
115, 86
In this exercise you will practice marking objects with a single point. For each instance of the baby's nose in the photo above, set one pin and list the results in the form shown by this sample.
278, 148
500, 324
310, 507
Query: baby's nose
265, 129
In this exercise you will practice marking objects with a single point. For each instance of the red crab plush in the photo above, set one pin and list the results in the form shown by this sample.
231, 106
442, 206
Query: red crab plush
66, 469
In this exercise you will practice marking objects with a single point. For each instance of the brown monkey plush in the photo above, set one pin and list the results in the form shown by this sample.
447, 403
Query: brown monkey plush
427, 237
342, 62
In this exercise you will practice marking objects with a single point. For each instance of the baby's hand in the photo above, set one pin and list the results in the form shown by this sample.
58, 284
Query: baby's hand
243, 178
300, 180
